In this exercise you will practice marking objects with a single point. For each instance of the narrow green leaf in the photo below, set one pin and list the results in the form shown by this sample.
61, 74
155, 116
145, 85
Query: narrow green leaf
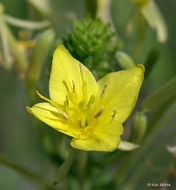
91, 6
25, 172
158, 97
152, 59
65, 167
135, 162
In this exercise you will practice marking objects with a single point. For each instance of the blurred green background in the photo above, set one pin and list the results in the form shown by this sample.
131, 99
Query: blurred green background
19, 139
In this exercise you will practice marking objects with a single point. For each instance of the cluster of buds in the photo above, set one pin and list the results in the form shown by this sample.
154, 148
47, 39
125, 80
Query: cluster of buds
94, 44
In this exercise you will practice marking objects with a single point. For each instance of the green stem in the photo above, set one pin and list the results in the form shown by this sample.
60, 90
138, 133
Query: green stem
135, 159
64, 168
139, 35
157, 115
113, 157
6, 56
47, 144
151, 61
160, 96
91, 7
30, 25
122, 170
21, 61
29, 174
82, 159
103, 11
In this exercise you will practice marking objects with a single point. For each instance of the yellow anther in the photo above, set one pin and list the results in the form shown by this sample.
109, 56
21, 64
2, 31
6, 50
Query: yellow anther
67, 101
66, 86
103, 92
80, 66
114, 112
74, 86
66, 105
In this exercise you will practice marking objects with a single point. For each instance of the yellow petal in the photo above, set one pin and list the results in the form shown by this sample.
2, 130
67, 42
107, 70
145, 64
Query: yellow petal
122, 90
104, 138
49, 115
66, 69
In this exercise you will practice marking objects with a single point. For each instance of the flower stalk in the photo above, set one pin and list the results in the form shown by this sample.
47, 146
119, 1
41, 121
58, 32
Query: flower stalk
64, 168
82, 159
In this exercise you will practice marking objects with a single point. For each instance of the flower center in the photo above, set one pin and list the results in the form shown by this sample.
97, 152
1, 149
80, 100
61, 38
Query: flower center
86, 111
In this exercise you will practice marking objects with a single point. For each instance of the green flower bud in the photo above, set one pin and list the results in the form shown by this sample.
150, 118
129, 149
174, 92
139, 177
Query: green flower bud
139, 125
94, 44
124, 60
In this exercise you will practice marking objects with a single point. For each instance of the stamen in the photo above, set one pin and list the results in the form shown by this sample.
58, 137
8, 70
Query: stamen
84, 90
46, 99
99, 112
84, 84
91, 101
104, 89
66, 105
114, 113
53, 104
74, 86
67, 101
80, 66
71, 96
86, 123
66, 86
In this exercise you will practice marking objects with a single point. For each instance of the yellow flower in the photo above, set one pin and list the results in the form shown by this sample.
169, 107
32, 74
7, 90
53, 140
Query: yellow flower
91, 112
